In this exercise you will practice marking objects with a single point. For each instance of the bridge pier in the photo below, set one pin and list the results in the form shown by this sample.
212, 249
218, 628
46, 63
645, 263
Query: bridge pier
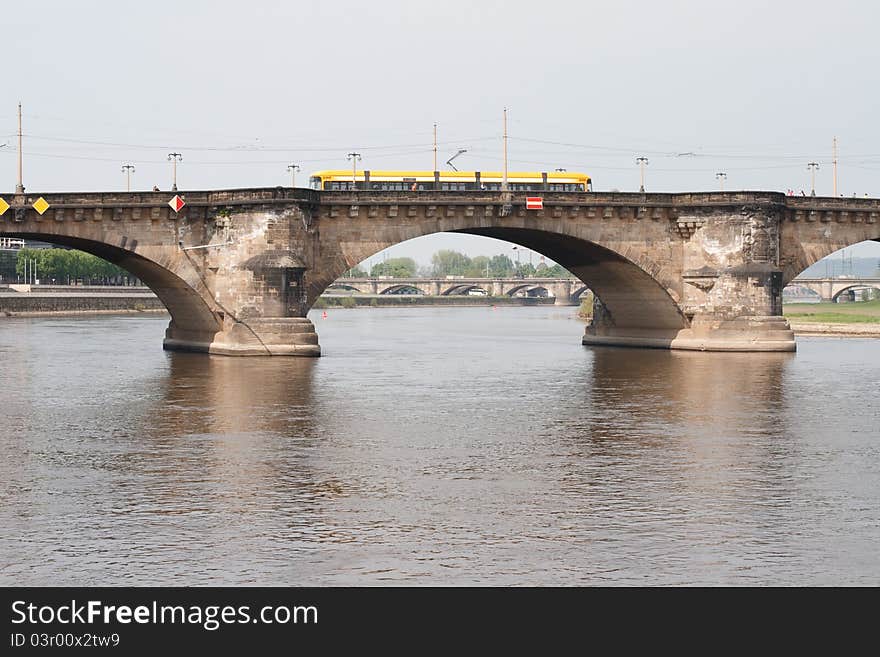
262, 336
730, 297
753, 333
562, 294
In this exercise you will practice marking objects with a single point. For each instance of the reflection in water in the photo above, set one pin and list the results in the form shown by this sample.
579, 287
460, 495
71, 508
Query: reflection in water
433, 446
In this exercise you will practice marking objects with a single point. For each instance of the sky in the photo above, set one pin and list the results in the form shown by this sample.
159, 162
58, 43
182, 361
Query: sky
242, 89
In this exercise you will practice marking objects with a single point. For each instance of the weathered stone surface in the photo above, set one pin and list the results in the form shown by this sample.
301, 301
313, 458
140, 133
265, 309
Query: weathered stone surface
239, 269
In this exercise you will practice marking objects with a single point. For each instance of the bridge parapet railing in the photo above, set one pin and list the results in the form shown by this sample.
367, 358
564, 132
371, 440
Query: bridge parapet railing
161, 198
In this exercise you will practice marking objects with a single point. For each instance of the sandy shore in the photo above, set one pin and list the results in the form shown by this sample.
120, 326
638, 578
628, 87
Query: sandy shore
836, 330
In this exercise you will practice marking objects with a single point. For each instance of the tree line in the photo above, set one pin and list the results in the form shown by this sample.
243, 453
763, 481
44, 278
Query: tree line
68, 266
453, 263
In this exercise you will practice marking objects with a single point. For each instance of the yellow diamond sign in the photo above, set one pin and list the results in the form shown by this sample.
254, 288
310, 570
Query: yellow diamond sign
4, 206
40, 205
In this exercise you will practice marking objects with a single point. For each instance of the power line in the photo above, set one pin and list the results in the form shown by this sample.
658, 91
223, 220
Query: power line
240, 147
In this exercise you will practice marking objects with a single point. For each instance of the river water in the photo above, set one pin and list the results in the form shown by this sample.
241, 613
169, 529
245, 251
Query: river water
433, 446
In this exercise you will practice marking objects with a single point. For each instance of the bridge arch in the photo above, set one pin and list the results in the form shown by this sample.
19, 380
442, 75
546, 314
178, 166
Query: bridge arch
527, 287
465, 288
578, 291
805, 244
637, 292
850, 288
345, 286
402, 288
195, 320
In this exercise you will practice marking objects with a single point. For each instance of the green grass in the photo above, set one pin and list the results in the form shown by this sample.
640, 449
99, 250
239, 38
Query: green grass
862, 312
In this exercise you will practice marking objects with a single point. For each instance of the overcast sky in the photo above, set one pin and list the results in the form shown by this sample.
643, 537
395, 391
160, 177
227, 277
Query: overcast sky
241, 89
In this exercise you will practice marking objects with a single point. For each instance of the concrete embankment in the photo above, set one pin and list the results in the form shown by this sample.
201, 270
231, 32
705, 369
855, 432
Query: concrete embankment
35, 301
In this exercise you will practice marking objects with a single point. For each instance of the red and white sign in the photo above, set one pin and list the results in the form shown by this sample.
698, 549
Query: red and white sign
176, 203
534, 203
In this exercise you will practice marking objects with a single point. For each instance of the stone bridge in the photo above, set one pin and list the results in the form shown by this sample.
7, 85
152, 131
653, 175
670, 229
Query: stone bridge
239, 269
566, 291
830, 289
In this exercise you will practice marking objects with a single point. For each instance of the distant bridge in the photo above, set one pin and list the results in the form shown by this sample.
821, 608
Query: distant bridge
831, 289
566, 291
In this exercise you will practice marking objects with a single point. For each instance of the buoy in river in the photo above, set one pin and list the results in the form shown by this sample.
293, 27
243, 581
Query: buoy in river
324, 315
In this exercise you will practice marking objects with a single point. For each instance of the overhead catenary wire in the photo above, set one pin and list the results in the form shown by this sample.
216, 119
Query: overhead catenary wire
623, 151
529, 152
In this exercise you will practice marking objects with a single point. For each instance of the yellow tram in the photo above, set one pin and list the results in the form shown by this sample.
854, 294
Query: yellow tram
418, 181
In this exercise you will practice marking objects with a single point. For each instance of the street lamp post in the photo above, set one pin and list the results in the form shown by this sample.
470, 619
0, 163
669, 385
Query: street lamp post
504, 176
293, 168
642, 162
19, 187
435, 146
174, 158
516, 248
128, 169
721, 178
354, 157
834, 164
812, 166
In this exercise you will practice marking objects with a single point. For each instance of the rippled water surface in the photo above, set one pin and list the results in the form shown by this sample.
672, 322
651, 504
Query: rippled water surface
434, 446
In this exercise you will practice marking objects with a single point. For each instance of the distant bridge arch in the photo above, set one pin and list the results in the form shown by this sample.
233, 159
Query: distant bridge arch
403, 288
528, 288
853, 288
464, 288
348, 287
830, 289
579, 291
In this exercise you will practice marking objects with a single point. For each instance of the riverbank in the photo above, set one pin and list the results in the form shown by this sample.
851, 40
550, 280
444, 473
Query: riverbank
855, 319
836, 330
47, 301
856, 312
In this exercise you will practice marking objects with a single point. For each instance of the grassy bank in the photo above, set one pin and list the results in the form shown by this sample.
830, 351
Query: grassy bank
862, 312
